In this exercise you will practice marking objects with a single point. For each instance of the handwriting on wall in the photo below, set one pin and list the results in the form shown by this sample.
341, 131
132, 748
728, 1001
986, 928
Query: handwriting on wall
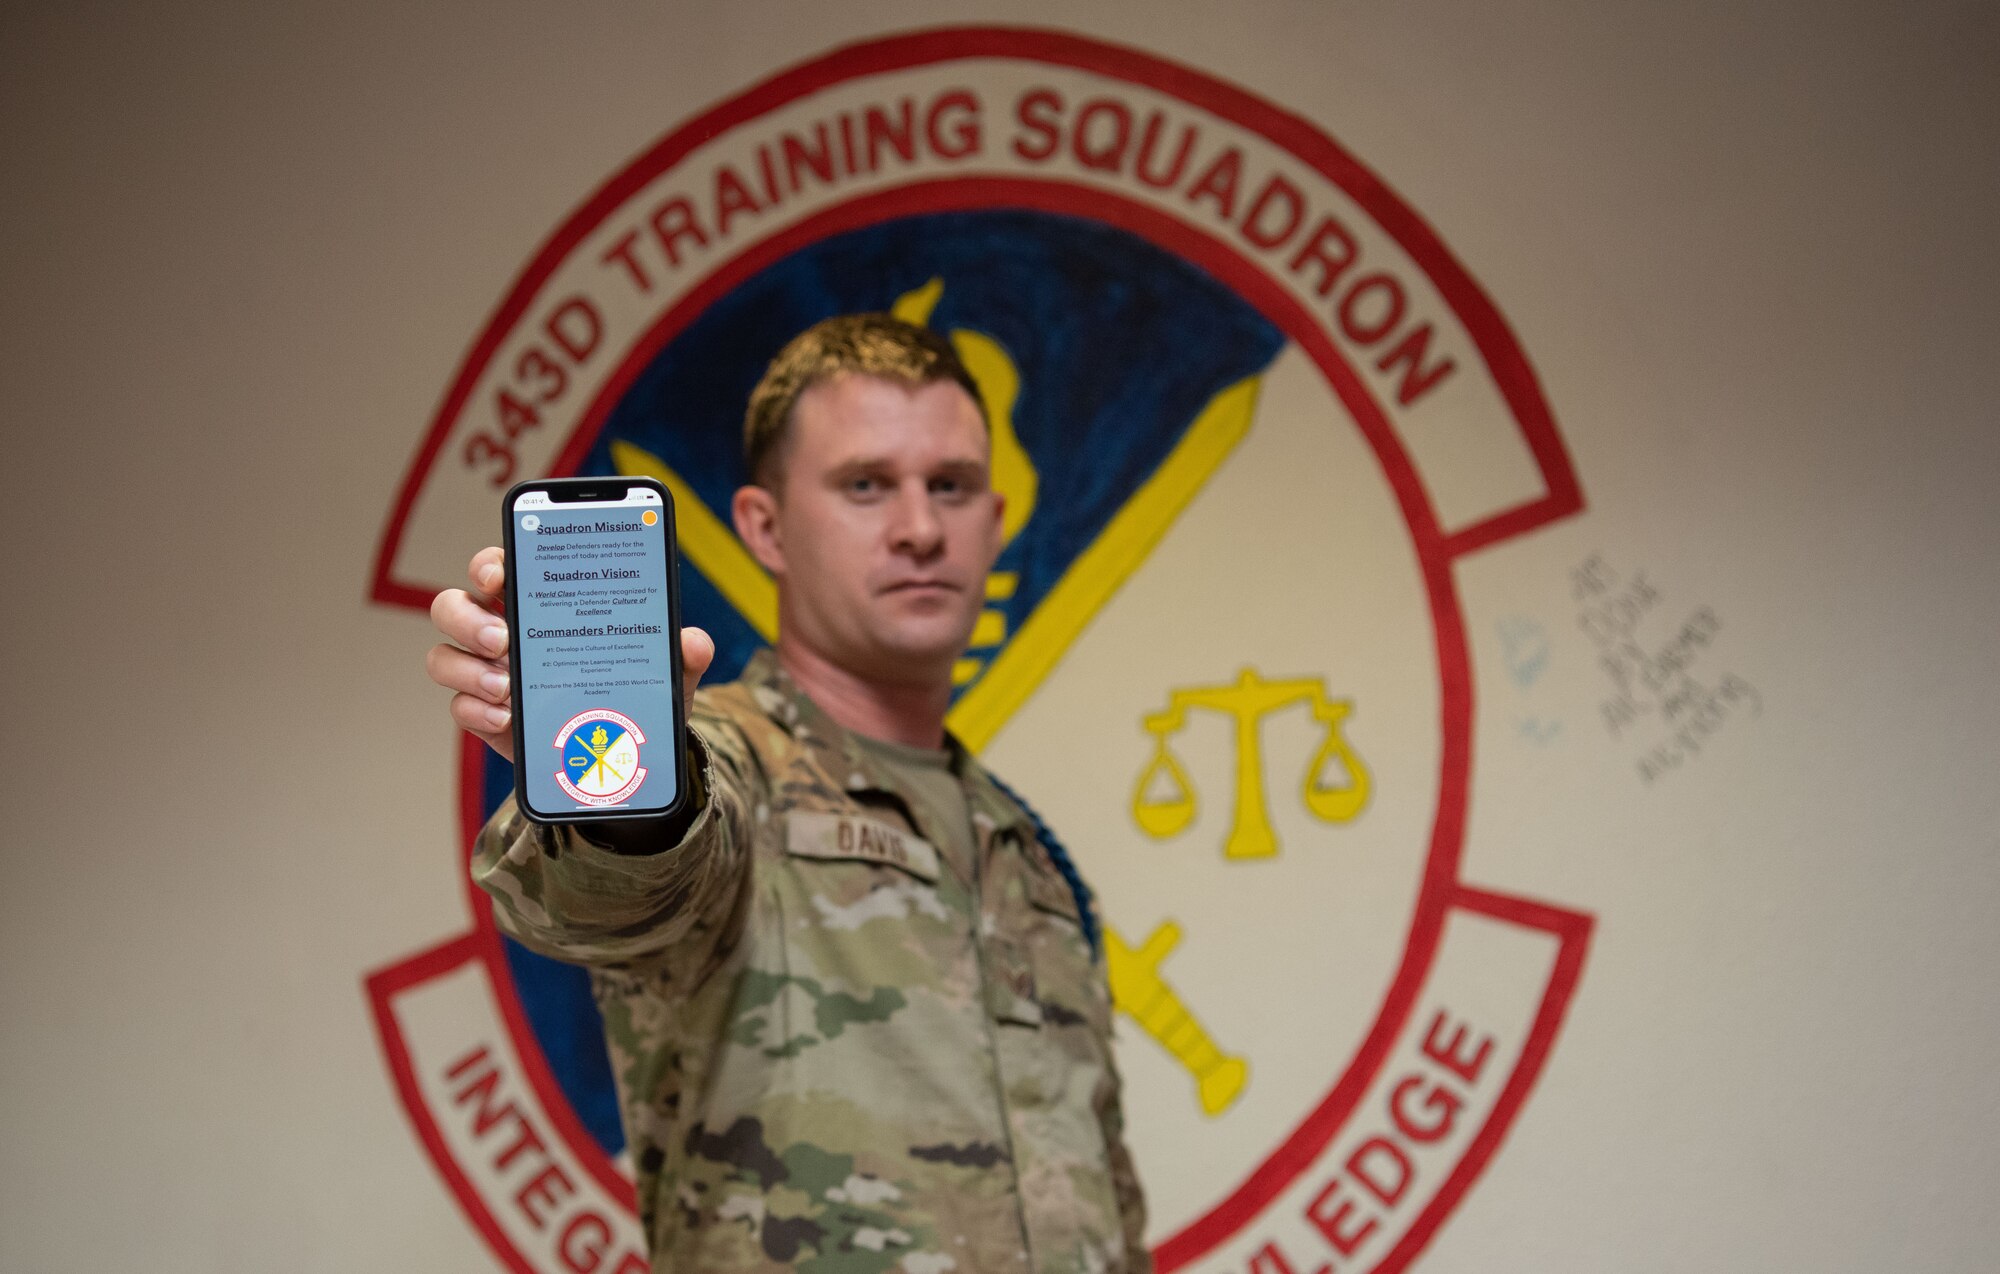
1667, 695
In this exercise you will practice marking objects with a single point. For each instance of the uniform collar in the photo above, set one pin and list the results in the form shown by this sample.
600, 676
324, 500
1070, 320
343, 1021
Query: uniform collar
851, 767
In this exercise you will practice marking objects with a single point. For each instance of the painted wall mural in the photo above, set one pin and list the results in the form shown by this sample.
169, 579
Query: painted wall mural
1248, 412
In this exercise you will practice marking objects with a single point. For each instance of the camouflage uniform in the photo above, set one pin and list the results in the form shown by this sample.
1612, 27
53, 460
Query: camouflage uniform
830, 1054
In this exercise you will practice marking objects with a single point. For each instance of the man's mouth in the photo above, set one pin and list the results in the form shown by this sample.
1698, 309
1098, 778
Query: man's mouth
922, 586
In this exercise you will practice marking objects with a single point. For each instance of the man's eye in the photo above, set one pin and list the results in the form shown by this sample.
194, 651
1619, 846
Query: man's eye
950, 488
863, 486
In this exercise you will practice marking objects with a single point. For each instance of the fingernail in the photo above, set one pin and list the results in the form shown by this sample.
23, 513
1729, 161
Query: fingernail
494, 637
489, 576
493, 683
499, 717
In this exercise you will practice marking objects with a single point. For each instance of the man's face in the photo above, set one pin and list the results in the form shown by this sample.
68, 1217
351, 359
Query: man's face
883, 527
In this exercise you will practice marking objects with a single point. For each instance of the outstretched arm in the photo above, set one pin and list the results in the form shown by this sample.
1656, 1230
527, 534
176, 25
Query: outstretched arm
638, 890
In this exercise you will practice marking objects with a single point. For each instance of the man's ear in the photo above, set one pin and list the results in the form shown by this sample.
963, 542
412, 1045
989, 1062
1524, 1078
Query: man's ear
999, 522
755, 511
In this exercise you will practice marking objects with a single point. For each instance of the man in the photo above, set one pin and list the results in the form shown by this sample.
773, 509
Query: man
855, 1004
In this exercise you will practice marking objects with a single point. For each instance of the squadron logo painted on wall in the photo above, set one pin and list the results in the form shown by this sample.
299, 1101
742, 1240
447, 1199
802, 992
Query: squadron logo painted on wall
1248, 414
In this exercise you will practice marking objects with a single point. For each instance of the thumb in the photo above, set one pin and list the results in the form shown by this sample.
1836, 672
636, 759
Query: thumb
697, 653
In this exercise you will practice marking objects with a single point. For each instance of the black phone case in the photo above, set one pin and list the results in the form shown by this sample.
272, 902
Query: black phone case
511, 603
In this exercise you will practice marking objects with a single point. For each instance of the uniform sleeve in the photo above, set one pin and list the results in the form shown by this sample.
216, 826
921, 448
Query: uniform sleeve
568, 898
1125, 1185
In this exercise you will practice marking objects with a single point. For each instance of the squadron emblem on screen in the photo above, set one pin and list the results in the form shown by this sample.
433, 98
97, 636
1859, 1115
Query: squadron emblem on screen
600, 757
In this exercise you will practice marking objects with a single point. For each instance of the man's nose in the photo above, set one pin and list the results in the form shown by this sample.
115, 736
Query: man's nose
916, 528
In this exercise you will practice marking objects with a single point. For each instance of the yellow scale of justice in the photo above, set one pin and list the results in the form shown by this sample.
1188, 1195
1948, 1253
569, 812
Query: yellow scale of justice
1000, 673
1249, 699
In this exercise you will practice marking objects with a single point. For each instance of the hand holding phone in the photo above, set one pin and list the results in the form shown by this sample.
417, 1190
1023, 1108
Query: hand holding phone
473, 661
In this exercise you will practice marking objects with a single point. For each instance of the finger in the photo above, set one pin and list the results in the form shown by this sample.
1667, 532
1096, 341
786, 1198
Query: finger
697, 653
487, 721
487, 571
466, 624
454, 669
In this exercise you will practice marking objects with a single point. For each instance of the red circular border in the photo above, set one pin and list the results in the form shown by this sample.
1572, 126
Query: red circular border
1435, 549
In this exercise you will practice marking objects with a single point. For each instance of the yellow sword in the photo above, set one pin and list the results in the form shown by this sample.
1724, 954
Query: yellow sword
1139, 989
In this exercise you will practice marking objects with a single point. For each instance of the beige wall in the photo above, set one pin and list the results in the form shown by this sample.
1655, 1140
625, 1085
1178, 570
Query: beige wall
1751, 257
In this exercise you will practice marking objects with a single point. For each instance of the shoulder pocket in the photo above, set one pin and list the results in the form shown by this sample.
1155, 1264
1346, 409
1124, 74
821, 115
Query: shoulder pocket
1048, 889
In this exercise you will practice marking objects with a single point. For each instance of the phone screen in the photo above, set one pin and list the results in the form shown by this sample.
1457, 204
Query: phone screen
596, 652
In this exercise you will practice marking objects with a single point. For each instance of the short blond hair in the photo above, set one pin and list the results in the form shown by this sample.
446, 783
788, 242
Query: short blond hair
864, 344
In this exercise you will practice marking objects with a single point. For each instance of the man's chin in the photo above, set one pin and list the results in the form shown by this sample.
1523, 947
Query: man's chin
921, 652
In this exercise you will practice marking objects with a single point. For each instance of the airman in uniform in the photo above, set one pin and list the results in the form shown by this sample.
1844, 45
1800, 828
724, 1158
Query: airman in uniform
854, 995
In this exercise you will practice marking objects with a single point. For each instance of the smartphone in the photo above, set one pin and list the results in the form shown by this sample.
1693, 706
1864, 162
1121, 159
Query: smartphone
593, 614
